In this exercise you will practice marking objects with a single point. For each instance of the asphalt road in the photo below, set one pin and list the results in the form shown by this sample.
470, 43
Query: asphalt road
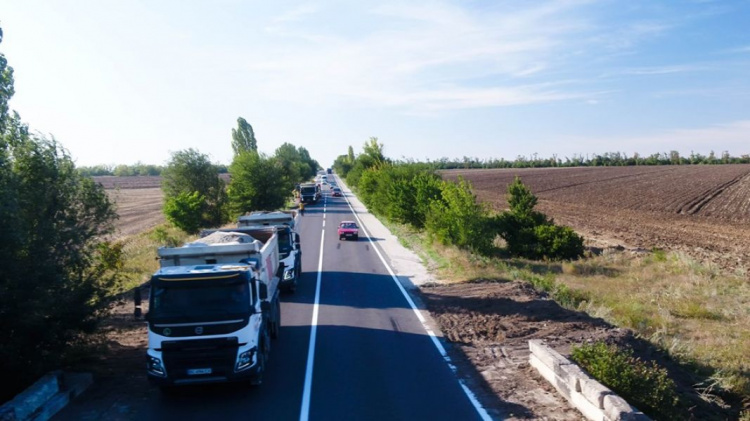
350, 347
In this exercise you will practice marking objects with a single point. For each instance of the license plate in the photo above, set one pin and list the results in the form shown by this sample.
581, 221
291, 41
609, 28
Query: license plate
198, 371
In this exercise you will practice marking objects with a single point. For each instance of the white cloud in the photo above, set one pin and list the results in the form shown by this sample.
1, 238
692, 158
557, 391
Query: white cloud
418, 56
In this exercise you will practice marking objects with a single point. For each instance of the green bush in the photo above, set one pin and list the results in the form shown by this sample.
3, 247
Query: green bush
185, 211
645, 385
456, 218
532, 234
558, 242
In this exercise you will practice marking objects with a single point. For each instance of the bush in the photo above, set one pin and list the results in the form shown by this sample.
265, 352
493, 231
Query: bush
456, 218
532, 234
558, 242
185, 211
644, 385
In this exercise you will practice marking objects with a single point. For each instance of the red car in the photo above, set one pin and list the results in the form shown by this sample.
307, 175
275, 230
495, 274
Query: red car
348, 229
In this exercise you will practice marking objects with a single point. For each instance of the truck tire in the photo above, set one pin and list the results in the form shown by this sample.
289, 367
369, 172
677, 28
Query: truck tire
264, 348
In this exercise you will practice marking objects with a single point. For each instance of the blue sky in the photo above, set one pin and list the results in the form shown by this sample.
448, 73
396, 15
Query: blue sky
117, 82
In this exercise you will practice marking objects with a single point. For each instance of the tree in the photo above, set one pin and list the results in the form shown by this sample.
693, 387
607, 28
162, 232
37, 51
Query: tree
257, 183
243, 137
57, 273
532, 234
6, 87
188, 172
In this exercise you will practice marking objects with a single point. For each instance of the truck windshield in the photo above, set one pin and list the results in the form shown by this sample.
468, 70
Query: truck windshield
182, 300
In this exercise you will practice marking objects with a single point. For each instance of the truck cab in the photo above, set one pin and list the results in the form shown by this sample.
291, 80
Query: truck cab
213, 308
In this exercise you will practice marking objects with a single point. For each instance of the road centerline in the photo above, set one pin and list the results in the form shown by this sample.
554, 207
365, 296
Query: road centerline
305, 409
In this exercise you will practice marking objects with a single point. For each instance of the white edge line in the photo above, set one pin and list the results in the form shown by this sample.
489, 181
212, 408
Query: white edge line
469, 394
305, 410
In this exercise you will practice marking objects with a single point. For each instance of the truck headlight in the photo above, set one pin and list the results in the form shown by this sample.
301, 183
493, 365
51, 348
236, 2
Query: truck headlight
245, 360
289, 274
155, 367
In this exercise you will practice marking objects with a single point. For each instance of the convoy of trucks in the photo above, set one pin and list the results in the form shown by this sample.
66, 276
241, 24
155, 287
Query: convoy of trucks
213, 309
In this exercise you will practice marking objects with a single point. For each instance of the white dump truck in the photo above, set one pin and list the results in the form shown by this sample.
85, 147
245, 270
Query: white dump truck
290, 250
213, 309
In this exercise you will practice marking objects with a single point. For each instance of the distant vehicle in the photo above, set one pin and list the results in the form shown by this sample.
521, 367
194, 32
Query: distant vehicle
329, 171
348, 229
309, 193
336, 192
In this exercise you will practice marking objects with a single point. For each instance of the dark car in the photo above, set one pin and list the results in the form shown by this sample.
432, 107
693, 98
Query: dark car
336, 192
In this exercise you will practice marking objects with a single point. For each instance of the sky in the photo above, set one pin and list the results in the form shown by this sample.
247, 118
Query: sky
121, 82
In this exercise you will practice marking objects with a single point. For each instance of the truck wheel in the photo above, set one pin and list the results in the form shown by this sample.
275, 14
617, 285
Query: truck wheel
263, 350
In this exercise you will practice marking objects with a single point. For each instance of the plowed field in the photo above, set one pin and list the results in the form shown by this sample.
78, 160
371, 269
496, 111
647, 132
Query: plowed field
138, 201
703, 211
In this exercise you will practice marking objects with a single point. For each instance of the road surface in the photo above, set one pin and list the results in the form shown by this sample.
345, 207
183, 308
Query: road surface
350, 347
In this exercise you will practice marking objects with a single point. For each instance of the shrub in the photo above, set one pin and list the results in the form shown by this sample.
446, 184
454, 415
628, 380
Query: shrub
185, 211
558, 242
643, 384
532, 234
456, 218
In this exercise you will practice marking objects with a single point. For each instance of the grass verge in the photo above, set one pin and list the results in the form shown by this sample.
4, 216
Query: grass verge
697, 315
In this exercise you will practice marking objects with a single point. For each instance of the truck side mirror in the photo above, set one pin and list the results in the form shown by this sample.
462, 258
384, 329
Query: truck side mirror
265, 306
296, 238
263, 291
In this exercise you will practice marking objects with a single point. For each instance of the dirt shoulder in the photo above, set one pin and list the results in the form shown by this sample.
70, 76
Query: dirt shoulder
490, 323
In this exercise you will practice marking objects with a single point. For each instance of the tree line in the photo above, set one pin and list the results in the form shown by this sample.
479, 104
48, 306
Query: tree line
413, 193
609, 159
196, 197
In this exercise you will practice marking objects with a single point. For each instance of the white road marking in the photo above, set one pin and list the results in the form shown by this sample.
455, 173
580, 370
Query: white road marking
305, 411
469, 394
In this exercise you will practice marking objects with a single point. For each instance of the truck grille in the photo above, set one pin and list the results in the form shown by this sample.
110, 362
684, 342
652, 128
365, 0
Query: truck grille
218, 355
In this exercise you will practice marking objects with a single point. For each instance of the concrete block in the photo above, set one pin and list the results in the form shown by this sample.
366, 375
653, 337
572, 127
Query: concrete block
594, 392
558, 382
573, 375
547, 355
588, 409
617, 409
52, 407
31, 399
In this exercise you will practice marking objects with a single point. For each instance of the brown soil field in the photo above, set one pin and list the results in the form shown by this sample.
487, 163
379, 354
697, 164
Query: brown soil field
702, 211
